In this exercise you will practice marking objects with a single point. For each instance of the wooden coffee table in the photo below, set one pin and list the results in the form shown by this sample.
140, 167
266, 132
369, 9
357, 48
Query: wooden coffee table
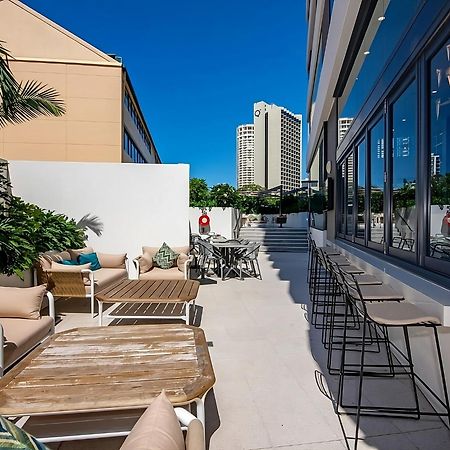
134, 299
99, 369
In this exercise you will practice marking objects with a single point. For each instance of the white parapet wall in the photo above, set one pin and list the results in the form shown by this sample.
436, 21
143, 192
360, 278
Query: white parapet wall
222, 220
138, 204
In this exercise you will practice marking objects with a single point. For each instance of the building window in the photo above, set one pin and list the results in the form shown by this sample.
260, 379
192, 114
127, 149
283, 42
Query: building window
439, 154
131, 149
361, 190
128, 102
404, 162
377, 173
350, 194
379, 42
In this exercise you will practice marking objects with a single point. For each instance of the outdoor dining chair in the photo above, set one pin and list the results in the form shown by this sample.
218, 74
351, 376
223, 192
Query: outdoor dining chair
210, 255
249, 258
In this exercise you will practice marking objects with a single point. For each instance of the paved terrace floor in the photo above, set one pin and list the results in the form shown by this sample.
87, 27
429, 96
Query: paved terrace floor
267, 361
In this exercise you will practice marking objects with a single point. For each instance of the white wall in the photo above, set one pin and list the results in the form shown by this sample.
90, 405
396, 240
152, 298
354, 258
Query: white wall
139, 204
222, 220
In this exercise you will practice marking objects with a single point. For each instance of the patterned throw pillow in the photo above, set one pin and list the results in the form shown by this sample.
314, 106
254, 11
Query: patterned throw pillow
14, 437
165, 257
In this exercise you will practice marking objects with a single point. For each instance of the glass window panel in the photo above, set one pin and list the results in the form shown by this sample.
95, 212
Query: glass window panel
376, 140
361, 190
404, 151
342, 200
350, 195
379, 42
439, 145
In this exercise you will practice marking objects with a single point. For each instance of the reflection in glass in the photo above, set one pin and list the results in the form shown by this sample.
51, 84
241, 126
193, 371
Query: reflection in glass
361, 190
350, 195
404, 151
376, 140
439, 111
342, 199
379, 42
317, 194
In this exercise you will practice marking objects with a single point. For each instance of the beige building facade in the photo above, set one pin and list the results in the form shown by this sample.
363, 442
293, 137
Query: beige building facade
278, 146
103, 121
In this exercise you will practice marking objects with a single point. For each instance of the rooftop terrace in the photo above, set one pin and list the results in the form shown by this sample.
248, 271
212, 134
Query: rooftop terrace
268, 365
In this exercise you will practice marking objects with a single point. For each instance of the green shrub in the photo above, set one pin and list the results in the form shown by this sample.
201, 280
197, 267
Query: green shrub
27, 230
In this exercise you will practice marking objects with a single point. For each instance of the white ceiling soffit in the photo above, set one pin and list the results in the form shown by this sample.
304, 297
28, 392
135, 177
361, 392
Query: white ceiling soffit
342, 23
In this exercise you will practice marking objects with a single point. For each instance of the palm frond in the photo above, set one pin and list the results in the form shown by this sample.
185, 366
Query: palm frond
92, 222
22, 102
31, 100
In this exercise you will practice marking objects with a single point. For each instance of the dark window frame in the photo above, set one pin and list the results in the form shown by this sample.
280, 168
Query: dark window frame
412, 76
378, 117
429, 262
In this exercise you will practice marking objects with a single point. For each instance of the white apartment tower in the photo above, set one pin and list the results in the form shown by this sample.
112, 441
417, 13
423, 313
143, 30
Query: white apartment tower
245, 153
343, 126
278, 147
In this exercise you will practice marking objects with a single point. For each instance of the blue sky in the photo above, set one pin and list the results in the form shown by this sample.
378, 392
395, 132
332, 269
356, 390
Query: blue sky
198, 66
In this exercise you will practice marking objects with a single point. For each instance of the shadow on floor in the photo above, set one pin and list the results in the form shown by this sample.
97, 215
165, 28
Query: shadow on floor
428, 433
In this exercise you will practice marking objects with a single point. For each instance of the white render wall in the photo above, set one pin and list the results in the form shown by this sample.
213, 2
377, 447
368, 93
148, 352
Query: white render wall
139, 204
223, 220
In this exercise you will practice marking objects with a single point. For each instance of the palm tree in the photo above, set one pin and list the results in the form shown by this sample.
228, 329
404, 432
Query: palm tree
20, 102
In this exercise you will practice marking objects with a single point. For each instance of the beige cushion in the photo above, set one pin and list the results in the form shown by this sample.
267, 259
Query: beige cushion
145, 263
104, 277
110, 261
74, 253
195, 436
379, 293
21, 335
181, 260
24, 303
153, 250
157, 429
45, 259
397, 314
156, 273
57, 267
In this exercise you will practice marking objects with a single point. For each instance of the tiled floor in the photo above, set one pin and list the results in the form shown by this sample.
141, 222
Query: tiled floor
266, 361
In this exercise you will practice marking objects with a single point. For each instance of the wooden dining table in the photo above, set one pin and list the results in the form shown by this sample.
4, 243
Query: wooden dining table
148, 299
84, 378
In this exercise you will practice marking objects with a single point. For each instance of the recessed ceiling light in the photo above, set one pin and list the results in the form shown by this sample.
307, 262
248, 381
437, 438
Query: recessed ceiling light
403, 120
367, 52
434, 91
381, 18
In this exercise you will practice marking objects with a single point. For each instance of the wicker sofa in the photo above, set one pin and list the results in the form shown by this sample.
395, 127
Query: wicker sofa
22, 327
79, 281
148, 271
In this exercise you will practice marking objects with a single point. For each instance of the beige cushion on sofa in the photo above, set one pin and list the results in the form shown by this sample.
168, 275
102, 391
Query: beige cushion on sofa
104, 277
181, 260
195, 436
74, 253
24, 303
57, 267
145, 263
110, 261
157, 429
45, 259
21, 335
156, 273
153, 250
